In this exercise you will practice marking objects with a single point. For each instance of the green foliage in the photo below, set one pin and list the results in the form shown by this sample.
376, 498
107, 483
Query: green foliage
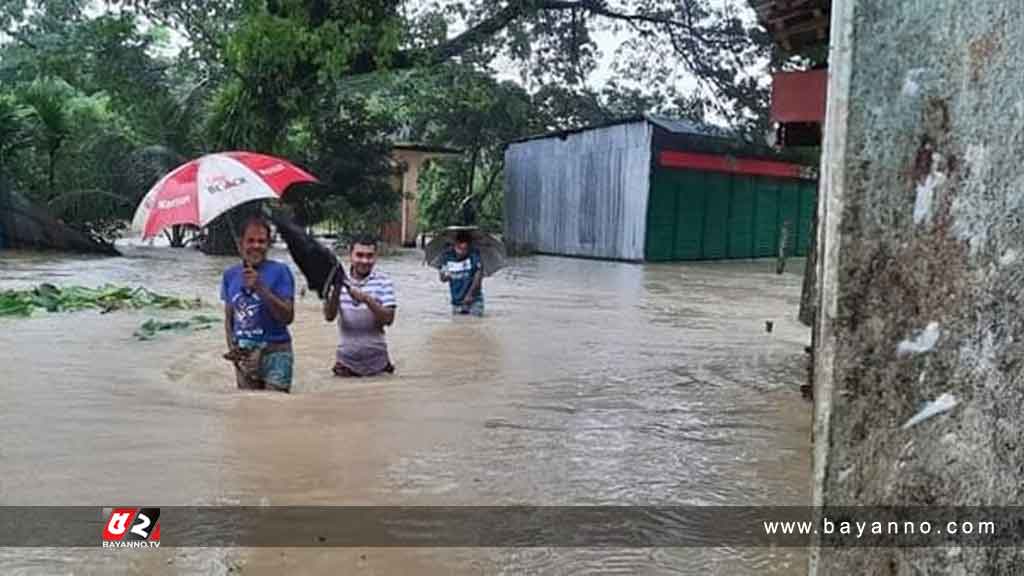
50, 100
152, 327
94, 93
95, 108
85, 143
352, 159
71, 298
15, 128
237, 122
443, 198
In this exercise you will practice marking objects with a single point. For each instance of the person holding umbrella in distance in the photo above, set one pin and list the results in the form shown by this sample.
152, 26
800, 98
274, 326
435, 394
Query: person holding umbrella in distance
464, 256
462, 269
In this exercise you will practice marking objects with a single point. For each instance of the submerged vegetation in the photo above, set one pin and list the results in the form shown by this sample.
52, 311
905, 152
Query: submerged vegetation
150, 328
105, 298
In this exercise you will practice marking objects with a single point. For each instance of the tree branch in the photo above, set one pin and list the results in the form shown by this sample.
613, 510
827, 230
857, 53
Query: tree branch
487, 28
20, 38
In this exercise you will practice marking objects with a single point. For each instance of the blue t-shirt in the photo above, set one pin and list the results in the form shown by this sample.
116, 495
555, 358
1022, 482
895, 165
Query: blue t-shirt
461, 274
252, 319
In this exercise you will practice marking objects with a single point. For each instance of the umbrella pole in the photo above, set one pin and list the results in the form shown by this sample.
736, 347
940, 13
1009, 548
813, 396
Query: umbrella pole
234, 231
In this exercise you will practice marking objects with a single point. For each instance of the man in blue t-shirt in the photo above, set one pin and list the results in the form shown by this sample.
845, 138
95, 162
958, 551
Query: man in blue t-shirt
259, 297
462, 270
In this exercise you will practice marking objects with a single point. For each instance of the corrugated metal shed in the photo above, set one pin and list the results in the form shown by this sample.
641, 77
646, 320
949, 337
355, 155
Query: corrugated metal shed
651, 188
580, 193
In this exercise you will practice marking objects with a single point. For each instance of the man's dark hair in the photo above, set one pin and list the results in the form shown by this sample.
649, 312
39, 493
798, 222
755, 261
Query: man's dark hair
256, 221
464, 236
366, 239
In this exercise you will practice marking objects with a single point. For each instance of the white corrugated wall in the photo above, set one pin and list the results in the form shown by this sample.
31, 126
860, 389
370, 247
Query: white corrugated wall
585, 195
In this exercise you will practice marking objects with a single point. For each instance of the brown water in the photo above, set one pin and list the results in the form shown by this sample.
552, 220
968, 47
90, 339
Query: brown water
586, 383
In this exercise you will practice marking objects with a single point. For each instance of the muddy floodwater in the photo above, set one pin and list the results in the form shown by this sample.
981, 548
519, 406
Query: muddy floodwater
587, 382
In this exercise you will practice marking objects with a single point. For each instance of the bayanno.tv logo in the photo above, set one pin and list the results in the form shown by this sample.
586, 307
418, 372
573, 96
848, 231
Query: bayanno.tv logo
132, 528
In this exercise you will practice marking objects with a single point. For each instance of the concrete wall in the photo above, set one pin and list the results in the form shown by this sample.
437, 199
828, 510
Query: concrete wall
922, 273
585, 195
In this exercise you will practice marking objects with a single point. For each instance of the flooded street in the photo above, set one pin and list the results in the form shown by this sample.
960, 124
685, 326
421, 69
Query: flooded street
587, 383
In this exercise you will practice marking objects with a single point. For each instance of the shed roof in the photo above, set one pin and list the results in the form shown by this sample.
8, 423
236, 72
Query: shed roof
678, 134
678, 126
675, 126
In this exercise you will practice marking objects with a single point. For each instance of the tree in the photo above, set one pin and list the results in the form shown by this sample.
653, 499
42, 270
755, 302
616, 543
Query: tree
102, 100
352, 158
459, 106
281, 50
553, 40
15, 129
49, 100
285, 56
281, 75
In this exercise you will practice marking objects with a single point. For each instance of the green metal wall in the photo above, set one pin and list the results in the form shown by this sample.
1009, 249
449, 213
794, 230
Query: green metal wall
694, 215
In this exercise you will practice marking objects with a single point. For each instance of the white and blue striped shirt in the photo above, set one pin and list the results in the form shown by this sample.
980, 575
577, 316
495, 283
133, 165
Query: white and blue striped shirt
376, 285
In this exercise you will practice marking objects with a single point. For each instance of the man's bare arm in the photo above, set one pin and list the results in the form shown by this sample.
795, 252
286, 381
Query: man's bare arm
384, 315
282, 310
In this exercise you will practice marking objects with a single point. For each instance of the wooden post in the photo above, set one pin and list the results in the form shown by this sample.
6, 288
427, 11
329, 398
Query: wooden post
780, 264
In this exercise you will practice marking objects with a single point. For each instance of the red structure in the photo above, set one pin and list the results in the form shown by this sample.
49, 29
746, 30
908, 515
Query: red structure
798, 98
731, 164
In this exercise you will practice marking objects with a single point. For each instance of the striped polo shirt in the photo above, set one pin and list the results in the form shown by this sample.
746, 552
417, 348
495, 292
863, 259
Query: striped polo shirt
376, 284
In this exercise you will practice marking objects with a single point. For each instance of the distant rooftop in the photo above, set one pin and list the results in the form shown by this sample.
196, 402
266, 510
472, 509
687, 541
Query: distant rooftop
677, 126
679, 134
672, 125
795, 24
430, 148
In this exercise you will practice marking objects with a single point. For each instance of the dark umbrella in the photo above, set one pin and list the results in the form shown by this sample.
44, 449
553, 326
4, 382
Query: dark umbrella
318, 264
492, 250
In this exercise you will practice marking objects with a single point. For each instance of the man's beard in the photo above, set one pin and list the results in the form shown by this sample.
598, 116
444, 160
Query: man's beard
362, 271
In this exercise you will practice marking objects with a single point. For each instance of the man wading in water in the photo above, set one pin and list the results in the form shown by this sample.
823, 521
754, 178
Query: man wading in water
258, 297
367, 304
462, 269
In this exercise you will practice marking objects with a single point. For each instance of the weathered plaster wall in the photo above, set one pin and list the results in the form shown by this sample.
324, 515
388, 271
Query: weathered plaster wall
922, 271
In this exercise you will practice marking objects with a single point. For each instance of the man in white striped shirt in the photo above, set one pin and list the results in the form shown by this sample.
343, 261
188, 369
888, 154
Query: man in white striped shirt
367, 305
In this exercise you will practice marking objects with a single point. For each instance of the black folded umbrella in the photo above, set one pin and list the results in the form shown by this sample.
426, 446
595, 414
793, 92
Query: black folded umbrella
316, 262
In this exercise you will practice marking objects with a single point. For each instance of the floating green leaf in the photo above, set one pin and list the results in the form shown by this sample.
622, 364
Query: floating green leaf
151, 327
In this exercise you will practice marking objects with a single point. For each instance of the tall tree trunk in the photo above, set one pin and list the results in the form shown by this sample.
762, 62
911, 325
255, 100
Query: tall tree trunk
468, 214
472, 171
492, 179
52, 169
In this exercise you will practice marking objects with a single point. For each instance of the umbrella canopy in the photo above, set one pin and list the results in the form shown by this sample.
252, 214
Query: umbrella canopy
492, 250
198, 191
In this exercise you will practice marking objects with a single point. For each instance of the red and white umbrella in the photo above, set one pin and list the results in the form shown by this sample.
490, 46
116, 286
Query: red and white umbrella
198, 191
